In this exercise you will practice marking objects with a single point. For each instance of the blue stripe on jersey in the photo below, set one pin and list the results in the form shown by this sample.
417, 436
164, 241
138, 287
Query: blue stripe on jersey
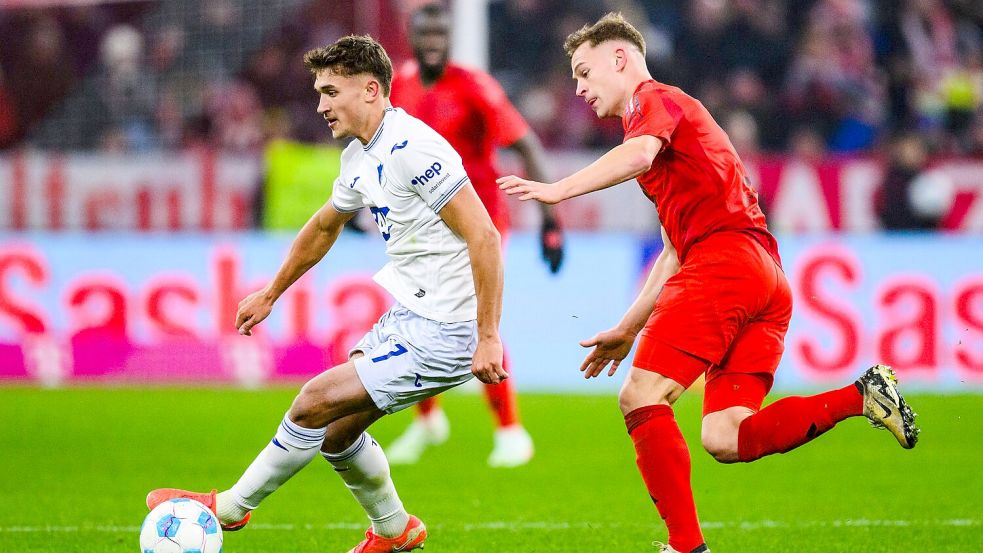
378, 133
340, 210
446, 196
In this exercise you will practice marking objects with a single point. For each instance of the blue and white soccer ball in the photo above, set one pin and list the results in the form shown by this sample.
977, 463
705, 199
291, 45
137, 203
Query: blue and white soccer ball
181, 526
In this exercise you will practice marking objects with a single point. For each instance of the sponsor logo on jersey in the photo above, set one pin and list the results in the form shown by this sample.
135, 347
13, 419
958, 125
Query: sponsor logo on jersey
354, 181
431, 172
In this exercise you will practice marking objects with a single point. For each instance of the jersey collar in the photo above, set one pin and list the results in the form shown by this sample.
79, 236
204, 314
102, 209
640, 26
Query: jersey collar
378, 132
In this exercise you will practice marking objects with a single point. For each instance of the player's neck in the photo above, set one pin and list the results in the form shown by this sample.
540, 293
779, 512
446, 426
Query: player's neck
372, 123
632, 82
430, 75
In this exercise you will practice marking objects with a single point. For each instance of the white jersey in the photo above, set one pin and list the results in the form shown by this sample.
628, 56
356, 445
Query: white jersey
405, 175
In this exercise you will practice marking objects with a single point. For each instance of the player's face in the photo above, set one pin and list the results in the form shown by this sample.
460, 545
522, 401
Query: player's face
431, 39
341, 101
597, 80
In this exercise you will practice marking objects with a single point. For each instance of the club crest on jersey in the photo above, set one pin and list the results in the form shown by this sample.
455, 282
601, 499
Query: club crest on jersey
633, 109
382, 221
431, 172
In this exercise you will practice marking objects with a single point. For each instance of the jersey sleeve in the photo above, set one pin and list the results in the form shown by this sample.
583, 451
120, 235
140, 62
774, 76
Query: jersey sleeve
651, 113
504, 121
344, 198
431, 169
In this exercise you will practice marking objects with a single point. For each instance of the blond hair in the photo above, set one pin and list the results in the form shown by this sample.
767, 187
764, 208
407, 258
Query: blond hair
612, 26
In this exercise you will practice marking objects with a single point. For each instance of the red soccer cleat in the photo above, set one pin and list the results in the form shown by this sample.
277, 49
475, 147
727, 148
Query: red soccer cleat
158, 496
411, 538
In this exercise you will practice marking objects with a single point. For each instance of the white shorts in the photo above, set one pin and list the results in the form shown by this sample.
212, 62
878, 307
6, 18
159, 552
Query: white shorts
409, 358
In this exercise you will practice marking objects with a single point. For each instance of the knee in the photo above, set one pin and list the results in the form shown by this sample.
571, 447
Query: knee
635, 394
720, 441
308, 409
719, 449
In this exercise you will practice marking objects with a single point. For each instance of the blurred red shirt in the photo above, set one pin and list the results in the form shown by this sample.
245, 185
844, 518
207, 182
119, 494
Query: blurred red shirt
697, 182
469, 109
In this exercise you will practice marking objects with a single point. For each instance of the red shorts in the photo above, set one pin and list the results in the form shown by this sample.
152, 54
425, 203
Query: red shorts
724, 314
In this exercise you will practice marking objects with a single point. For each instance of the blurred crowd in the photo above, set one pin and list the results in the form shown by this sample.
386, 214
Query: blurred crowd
806, 76
840, 76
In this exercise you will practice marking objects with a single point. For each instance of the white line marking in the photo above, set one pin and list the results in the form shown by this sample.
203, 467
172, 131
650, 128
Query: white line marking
514, 526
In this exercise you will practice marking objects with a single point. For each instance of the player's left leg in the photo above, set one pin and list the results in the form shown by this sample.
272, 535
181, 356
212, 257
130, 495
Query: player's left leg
362, 465
513, 444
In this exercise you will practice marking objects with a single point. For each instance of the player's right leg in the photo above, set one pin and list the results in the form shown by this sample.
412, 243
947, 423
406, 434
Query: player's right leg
660, 377
329, 396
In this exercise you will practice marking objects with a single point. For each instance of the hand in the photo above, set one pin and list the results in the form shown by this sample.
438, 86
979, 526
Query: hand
530, 189
610, 346
252, 310
487, 361
551, 241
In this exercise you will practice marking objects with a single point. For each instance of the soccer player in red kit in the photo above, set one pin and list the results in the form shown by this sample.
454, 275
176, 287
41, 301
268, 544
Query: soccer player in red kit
470, 110
716, 302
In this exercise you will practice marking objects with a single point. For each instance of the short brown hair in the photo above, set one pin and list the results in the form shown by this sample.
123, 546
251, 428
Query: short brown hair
353, 55
612, 26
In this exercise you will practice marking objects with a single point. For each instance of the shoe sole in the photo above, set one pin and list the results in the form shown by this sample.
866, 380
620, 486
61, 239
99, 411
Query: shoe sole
899, 418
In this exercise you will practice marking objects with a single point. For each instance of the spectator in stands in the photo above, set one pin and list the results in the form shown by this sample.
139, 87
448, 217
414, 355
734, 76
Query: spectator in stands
127, 90
910, 198
39, 76
8, 120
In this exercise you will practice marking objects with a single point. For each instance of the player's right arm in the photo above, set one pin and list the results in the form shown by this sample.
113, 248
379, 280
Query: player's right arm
612, 346
623, 162
310, 245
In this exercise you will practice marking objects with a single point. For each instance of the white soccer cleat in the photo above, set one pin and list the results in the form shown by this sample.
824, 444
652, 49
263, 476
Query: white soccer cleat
884, 406
513, 447
425, 431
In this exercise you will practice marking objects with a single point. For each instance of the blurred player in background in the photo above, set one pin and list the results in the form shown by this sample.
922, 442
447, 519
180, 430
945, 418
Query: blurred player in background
716, 301
445, 272
470, 110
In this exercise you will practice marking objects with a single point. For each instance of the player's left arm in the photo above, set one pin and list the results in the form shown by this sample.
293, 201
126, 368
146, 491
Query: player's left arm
612, 346
530, 150
623, 162
467, 217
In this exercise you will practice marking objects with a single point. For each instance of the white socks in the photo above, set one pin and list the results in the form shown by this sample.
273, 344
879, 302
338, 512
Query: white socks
363, 467
290, 450
365, 470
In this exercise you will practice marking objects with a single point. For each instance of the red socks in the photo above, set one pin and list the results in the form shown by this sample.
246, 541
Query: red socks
793, 421
501, 400
427, 405
664, 462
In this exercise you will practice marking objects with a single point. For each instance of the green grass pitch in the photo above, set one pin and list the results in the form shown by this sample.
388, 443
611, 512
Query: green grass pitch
76, 464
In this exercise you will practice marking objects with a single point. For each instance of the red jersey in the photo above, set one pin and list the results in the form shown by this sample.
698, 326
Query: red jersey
471, 111
697, 182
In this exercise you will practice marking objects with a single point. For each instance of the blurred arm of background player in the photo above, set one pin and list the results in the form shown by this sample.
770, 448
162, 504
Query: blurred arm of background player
529, 148
613, 345
310, 245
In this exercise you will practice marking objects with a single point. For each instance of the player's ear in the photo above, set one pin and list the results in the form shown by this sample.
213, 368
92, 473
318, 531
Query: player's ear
372, 90
620, 59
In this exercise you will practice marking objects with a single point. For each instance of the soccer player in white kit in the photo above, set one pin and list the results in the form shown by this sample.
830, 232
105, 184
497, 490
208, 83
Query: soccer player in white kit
445, 272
